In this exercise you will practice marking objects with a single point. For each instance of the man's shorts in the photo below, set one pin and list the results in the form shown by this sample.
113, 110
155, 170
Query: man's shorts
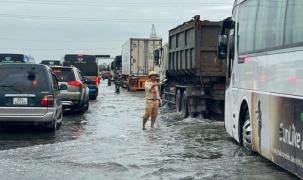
152, 108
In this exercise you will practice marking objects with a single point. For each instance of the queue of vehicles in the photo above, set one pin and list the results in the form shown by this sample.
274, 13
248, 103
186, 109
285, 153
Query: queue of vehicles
235, 67
37, 94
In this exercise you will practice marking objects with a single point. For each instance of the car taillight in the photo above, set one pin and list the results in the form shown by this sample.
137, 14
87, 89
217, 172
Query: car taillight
97, 81
48, 100
74, 83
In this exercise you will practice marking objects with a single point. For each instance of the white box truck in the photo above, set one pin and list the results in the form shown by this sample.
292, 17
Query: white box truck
138, 61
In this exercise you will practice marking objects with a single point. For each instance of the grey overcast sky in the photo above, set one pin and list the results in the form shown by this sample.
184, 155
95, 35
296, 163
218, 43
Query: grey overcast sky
49, 29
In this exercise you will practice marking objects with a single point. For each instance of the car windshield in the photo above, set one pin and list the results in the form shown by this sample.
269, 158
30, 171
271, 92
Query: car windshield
18, 79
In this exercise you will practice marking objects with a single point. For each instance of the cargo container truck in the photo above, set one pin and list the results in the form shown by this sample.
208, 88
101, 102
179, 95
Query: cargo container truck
192, 78
138, 61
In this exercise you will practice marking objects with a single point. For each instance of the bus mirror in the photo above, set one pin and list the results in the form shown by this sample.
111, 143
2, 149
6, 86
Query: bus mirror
156, 57
222, 47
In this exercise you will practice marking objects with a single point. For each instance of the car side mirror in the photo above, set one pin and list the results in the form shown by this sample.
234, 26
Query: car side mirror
63, 87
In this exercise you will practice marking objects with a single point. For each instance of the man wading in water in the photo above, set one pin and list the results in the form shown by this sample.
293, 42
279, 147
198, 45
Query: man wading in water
152, 99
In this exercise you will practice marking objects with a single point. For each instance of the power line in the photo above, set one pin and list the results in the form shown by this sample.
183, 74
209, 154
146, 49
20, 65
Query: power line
88, 19
56, 41
85, 19
48, 49
132, 4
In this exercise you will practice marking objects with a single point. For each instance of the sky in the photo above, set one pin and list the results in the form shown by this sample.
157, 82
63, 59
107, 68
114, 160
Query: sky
49, 29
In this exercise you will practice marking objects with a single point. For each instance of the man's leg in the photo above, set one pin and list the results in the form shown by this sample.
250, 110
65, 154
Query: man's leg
144, 121
148, 110
153, 121
154, 113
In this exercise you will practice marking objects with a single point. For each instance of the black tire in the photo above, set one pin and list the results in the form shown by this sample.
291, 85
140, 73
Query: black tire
52, 126
117, 89
163, 97
247, 134
178, 101
184, 106
81, 108
205, 115
87, 105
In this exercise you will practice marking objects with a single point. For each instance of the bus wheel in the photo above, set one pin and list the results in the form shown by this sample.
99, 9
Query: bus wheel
184, 106
178, 101
246, 134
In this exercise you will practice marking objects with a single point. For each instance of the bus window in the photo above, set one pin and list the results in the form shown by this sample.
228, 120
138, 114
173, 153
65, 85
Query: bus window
270, 24
294, 23
16, 58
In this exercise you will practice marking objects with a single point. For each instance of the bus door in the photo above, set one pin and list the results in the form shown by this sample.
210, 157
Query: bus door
231, 93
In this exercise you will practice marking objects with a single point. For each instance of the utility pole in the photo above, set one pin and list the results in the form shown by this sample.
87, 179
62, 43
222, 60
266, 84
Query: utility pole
153, 34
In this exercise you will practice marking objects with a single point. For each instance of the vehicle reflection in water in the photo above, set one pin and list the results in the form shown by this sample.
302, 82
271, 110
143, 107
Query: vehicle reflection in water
17, 136
22, 136
74, 124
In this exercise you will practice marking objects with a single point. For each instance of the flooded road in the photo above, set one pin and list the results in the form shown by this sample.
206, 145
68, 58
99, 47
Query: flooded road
107, 142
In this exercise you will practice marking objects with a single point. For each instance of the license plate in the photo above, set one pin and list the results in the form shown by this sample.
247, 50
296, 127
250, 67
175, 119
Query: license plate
20, 101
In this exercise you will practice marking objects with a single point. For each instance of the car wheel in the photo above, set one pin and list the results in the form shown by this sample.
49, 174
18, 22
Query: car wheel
185, 113
81, 108
52, 126
87, 105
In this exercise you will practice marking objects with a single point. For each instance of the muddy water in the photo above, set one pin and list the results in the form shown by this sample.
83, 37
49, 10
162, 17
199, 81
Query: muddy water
108, 142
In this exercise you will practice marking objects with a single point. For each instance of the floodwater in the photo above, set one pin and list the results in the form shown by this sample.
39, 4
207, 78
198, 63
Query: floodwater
107, 142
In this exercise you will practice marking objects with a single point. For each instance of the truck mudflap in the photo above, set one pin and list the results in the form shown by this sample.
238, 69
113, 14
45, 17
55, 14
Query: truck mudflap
201, 99
136, 83
218, 92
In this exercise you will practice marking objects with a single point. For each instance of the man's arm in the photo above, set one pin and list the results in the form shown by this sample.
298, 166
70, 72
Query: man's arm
148, 86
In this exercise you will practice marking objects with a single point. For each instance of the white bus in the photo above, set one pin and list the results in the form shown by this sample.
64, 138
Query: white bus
264, 94
16, 58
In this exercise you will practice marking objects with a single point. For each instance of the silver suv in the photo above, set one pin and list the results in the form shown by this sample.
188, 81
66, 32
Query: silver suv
76, 97
30, 94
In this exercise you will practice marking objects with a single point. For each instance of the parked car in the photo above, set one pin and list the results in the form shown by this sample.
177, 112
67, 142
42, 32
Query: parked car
76, 97
30, 94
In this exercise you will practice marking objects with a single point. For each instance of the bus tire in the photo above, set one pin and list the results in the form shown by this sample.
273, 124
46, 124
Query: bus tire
178, 101
184, 106
247, 134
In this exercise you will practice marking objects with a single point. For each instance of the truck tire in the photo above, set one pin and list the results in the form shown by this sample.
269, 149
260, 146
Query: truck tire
178, 101
184, 106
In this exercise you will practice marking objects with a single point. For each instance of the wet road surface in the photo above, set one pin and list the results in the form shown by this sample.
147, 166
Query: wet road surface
107, 142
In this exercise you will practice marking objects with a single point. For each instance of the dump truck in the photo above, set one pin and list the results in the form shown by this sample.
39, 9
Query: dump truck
193, 79
138, 61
